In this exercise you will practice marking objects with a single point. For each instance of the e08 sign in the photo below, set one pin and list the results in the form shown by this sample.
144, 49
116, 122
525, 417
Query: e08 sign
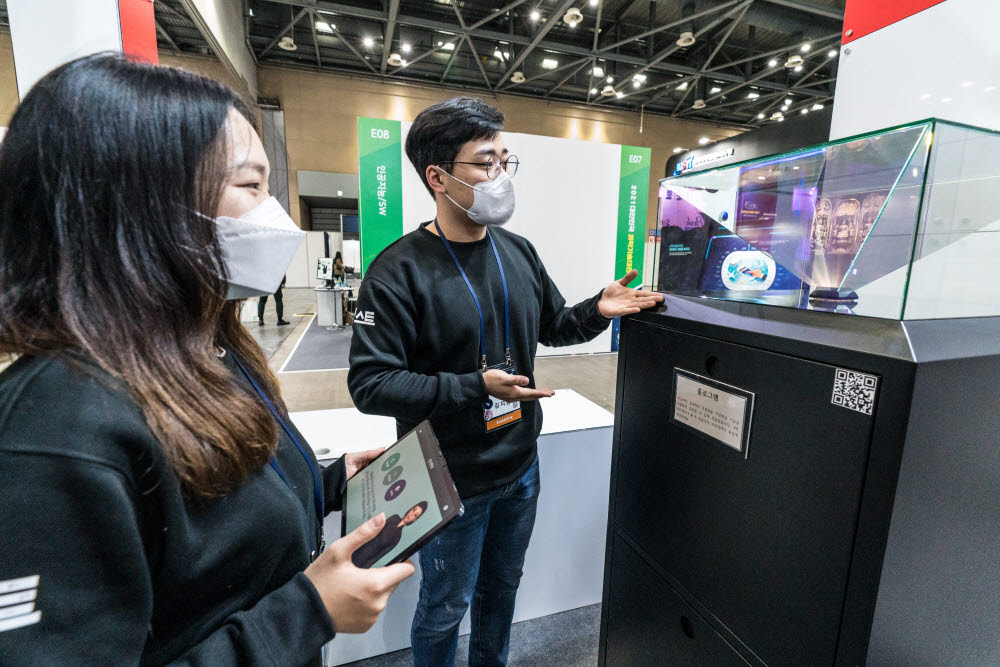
380, 134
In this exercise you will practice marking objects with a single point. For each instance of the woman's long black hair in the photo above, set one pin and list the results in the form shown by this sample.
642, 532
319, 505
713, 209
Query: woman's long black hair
110, 174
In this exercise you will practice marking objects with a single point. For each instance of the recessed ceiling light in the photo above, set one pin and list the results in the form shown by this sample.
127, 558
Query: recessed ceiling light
798, 68
641, 78
788, 100
966, 84
549, 63
832, 53
760, 115
323, 26
611, 79
715, 90
817, 107
535, 15
368, 41
753, 96
704, 140
619, 94
678, 150
593, 3
806, 48
772, 63
598, 72
784, 108
593, 91
406, 47
450, 46
636, 83
804, 111
683, 86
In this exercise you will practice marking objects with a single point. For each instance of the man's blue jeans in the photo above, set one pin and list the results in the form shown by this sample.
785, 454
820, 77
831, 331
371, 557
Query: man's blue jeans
478, 559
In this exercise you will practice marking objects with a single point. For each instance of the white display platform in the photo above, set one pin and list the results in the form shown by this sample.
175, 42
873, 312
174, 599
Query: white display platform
560, 574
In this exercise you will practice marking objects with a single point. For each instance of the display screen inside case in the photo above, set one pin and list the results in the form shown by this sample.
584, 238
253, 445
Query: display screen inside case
779, 230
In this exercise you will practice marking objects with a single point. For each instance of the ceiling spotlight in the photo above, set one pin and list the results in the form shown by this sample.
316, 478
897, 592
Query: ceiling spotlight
704, 140
611, 79
598, 72
781, 120
772, 63
698, 104
798, 68
619, 94
776, 115
715, 90
641, 78
832, 53
636, 83
761, 116
323, 26
608, 89
683, 86
368, 41
535, 15
549, 63
450, 46
817, 107
804, 111
678, 150
498, 55
573, 17
794, 61
287, 43
686, 38
518, 77
406, 47
593, 3
753, 96
784, 108
593, 91
788, 100
806, 47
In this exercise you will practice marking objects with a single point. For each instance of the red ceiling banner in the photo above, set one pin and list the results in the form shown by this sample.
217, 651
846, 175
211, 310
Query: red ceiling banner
863, 17
138, 29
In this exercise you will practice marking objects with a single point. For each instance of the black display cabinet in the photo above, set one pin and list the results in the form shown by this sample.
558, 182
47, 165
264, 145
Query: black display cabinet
806, 465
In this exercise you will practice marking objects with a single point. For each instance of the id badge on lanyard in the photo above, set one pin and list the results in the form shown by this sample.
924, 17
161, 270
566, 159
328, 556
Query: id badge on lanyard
497, 413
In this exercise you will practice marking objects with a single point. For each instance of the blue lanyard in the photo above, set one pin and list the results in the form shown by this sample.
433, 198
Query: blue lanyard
317, 488
506, 299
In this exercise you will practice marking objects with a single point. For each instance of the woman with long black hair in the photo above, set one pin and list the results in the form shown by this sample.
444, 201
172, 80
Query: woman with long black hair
157, 505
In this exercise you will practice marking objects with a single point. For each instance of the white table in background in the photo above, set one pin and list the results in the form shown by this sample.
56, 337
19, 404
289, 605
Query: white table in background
564, 567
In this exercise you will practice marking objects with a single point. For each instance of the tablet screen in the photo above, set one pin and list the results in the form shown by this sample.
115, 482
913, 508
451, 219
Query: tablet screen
410, 483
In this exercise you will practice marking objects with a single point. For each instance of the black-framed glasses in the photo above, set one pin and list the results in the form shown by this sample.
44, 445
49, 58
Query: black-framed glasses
493, 166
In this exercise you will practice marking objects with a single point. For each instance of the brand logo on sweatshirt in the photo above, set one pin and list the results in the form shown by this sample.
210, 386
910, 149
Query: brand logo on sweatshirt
17, 603
366, 317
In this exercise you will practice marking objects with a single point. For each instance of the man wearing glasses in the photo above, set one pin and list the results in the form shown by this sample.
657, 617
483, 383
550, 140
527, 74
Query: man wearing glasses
459, 307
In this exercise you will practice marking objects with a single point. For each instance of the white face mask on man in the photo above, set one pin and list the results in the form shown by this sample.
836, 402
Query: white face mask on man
492, 201
257, 248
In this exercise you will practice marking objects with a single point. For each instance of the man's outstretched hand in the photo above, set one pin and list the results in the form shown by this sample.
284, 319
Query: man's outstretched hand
619, 300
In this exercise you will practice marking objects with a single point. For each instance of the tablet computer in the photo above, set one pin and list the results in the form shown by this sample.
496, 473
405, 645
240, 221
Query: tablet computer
410, 482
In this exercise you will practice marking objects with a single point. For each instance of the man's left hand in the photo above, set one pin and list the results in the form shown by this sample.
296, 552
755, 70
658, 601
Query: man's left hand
356, 461
619, 300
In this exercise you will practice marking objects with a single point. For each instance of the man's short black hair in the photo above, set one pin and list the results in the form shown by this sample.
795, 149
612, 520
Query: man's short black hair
439, 131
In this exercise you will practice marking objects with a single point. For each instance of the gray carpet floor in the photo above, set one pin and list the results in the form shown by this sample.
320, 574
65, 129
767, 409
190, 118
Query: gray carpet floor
569, 639
321, 350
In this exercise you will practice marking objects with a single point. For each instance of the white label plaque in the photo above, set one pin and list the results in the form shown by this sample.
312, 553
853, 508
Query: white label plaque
713, 409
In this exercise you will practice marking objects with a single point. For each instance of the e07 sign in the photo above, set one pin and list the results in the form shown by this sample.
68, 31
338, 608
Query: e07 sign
635, 159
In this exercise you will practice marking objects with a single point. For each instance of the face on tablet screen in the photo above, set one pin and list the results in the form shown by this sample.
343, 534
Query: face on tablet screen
400, 485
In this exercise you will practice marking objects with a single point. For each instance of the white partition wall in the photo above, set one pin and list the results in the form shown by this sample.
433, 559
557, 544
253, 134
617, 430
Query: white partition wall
907, 60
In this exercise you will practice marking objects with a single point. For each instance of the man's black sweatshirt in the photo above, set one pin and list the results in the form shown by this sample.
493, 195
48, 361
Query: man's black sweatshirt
416, 348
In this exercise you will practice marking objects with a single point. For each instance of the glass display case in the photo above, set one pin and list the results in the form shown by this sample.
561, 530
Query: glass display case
900, 224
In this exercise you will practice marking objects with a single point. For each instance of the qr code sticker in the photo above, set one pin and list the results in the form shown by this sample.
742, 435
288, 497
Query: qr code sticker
855, 391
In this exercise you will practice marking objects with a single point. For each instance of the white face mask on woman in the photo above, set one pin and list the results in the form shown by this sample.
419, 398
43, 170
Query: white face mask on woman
257, 248
492, 201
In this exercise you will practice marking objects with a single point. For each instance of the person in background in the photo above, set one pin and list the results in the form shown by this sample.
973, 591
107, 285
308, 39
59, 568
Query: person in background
279, 306
338, 267
455, 311
158, 505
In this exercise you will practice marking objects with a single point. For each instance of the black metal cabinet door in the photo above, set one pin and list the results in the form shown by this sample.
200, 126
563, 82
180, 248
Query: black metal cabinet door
763, 542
